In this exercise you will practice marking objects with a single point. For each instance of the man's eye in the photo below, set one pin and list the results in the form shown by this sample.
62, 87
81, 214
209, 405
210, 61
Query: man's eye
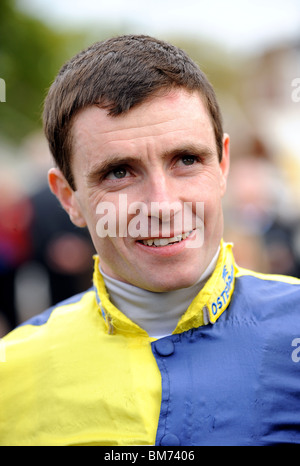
188, 159
117, 173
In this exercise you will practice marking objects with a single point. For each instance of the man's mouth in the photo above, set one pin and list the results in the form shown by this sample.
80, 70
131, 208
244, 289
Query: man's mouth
159, 242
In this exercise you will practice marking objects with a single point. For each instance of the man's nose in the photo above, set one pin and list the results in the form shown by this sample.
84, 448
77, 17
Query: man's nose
159, 188
162, 197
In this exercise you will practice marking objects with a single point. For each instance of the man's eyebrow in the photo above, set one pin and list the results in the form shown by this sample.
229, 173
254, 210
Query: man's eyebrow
190, 149
113, 161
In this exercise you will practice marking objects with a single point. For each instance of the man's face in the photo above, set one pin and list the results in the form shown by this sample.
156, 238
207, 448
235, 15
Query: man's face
162, 152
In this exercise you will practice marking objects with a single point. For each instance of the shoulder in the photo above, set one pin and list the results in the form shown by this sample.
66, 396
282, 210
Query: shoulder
268, 294
263, 277
271, 284
56, 316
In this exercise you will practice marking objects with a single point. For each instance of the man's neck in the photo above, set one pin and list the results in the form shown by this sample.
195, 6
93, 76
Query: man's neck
157, 313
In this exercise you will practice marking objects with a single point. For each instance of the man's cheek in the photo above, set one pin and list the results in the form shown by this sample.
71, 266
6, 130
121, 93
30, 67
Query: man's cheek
106, 224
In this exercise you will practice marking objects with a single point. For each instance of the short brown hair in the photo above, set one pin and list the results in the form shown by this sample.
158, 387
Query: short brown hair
117, 74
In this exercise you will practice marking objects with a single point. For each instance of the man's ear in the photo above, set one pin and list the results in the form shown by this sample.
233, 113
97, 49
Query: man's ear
225, 163
65, 194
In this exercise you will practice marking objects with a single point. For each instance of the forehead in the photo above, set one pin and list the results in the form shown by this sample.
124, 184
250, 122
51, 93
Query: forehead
177, 114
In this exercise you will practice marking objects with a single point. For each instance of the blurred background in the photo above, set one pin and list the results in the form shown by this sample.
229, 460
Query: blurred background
250, 51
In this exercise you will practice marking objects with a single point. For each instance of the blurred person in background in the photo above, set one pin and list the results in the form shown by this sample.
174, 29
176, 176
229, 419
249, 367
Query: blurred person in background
44, 258
64, 250
175, 344
61, 259
259, 207
15, 242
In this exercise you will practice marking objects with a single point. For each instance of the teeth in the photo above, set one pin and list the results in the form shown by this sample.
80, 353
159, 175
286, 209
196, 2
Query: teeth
149, 242
161, 242
165, 241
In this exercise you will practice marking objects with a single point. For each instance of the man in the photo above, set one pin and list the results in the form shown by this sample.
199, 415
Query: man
174, 344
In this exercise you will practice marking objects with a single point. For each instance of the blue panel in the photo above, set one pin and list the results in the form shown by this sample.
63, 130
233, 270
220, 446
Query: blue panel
43, 318
234, 382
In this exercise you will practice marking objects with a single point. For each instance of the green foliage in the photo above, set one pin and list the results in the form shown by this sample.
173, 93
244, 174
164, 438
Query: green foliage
30, 56
31, 53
